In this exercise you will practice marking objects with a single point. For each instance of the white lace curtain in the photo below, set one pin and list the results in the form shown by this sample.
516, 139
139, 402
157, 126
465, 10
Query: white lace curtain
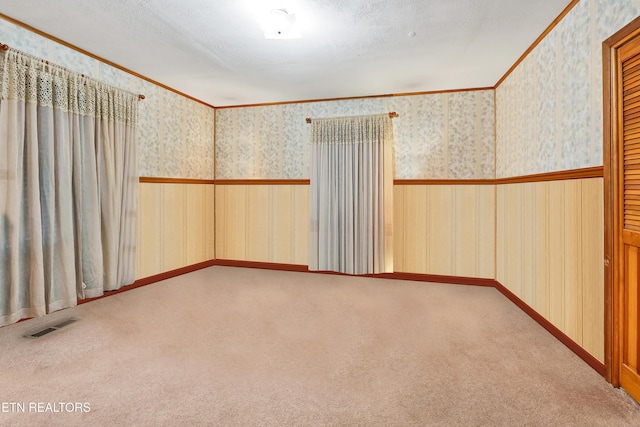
68, 187
351, 206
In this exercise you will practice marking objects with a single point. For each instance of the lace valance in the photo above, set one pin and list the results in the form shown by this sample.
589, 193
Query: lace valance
351, 129
32, 80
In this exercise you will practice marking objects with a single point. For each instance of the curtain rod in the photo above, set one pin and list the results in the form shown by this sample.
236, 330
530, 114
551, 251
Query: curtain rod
5, 47
392, 115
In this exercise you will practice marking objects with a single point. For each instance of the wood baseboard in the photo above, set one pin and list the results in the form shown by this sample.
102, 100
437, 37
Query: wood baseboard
153, 279
435, 278
261, 265
452, 280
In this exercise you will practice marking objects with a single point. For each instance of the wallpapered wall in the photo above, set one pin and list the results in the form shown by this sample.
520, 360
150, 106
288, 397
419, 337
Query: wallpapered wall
447, 135
549, 110
175, 134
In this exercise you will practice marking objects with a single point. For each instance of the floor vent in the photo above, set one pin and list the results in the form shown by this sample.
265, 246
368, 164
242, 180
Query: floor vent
49, 329
65, 323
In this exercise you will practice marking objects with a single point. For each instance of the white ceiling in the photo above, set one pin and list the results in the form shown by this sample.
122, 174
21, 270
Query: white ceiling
215, 51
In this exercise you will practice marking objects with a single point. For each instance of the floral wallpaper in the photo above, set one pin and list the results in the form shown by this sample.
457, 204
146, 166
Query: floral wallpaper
437, 136
549, 110
175, 134
549, 115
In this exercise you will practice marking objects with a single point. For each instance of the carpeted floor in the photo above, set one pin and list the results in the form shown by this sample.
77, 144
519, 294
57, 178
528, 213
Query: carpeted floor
245, 347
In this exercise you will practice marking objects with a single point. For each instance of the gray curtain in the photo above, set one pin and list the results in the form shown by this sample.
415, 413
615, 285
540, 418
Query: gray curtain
351, 193
68, 187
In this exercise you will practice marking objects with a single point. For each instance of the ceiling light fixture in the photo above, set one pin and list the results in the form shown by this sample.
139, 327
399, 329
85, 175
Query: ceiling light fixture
278, 24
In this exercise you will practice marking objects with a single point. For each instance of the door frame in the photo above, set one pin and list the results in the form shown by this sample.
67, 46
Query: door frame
613, 255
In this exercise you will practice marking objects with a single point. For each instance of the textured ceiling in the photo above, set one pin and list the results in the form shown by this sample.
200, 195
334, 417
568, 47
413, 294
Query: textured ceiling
215, 51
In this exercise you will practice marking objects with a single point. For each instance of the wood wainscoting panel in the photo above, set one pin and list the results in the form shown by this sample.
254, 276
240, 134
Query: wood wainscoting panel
440, 230
541, 249
220, 223
501, 241
262, 223
174, 241
398, 227
592, 233
300, 233
416, 234
175, 226
510, 223
210, 239
556, 254
149, 230
196, 223
446, 230
550, 253
485, 231
237, 236
573, 260
527, 274
465, 230
231, 222
259, 222
282, 230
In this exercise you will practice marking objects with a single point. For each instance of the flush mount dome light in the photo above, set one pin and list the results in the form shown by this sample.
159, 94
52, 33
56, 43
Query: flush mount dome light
278, 24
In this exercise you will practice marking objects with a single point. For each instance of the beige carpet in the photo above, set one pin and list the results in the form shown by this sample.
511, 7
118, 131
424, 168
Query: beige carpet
244, 347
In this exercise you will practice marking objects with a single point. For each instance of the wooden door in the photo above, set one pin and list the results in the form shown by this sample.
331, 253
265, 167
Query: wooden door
628, 155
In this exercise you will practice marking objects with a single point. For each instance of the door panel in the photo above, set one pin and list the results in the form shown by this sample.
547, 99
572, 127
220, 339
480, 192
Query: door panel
631, 307
628, 68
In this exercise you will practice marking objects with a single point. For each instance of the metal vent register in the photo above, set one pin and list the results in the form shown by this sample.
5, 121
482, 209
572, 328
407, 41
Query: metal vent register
48, 329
